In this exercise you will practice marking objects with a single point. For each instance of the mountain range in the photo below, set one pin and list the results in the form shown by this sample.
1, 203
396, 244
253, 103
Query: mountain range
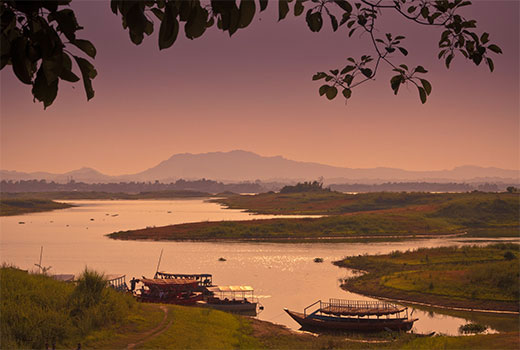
236, 166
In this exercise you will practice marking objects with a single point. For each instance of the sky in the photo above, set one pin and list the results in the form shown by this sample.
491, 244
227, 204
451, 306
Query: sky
254, 91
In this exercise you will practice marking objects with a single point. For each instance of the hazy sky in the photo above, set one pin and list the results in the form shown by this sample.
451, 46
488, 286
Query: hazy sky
254, 92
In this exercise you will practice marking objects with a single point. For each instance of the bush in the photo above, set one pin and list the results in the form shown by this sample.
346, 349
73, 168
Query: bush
37, 309
472, 328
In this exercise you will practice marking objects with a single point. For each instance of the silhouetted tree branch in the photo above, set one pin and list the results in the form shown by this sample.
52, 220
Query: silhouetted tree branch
38, 38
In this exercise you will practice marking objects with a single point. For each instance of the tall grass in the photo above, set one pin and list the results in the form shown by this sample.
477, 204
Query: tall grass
37, 310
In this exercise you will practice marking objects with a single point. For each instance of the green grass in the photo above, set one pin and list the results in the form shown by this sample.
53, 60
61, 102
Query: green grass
418, 214
335, 203
204, 329
22, 206
37, 310
470, 276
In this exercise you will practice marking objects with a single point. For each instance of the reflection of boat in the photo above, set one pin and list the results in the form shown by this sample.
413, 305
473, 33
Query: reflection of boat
353, 315
236, 299
169, 291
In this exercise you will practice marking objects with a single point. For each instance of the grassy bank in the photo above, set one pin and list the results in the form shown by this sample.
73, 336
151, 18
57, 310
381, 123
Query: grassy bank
369, 216
37, 310
20, 206
336, 203
469, 277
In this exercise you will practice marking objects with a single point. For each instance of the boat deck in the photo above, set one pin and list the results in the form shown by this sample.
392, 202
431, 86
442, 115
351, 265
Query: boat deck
340, 307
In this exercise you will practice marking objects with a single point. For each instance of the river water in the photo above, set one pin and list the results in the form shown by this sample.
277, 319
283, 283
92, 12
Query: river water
283, 275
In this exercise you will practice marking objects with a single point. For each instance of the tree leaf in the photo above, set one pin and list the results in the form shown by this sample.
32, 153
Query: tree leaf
66, 71
347, 69
331, 92
21, 65
345, 5
420, 69
448, 60
347, 93
158, 13
314, 21
283, 9
298, 7
247, 12
333, 22
490, 64
88, 72
403, 51
43, 90
318, 76
427, 86
395, 83
494, 48
263, 5
85, 46
323, 89
422, 94
196, 24
169, 27
367, 72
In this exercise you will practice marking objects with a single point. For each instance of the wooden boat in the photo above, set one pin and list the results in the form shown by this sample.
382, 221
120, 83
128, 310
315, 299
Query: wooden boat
169, 291
118, 282
235, 299
204, 280
353, 315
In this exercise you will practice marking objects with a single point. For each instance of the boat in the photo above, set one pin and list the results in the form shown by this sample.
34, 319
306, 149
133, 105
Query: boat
118, 282
204, 280
353, 315
169, 291
235, 299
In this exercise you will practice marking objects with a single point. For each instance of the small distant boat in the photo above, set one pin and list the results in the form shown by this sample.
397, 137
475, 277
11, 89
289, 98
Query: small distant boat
318, 260
235, 299
353, 315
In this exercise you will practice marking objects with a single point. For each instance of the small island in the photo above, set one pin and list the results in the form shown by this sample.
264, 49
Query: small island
337, 217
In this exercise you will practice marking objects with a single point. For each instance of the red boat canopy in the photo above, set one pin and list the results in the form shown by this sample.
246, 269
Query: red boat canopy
170, 284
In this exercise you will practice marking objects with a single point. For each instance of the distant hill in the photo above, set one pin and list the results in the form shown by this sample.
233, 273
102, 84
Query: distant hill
235, 166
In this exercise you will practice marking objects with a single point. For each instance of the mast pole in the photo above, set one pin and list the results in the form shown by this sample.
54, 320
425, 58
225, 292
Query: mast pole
40, 264
158, 263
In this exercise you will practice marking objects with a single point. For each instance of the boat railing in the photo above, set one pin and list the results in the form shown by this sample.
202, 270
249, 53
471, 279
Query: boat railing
305, 311
364, 304
353, 308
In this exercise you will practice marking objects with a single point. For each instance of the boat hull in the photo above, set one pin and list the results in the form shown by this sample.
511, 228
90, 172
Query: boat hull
350, 323
248, 309
190, 300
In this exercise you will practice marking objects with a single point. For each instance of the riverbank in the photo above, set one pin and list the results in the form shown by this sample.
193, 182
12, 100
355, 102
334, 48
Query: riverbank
371, 216
100, 318
9, 207
470, 277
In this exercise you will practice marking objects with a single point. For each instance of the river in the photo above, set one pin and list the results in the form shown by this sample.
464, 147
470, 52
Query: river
283, 275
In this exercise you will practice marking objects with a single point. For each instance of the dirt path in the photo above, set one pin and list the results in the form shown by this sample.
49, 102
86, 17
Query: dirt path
161, 327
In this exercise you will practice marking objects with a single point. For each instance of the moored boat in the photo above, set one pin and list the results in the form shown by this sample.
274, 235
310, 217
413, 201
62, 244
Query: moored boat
353, 315
169, 291
235, 299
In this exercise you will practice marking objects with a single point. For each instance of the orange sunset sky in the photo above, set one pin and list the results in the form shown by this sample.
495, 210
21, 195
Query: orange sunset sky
254, 92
